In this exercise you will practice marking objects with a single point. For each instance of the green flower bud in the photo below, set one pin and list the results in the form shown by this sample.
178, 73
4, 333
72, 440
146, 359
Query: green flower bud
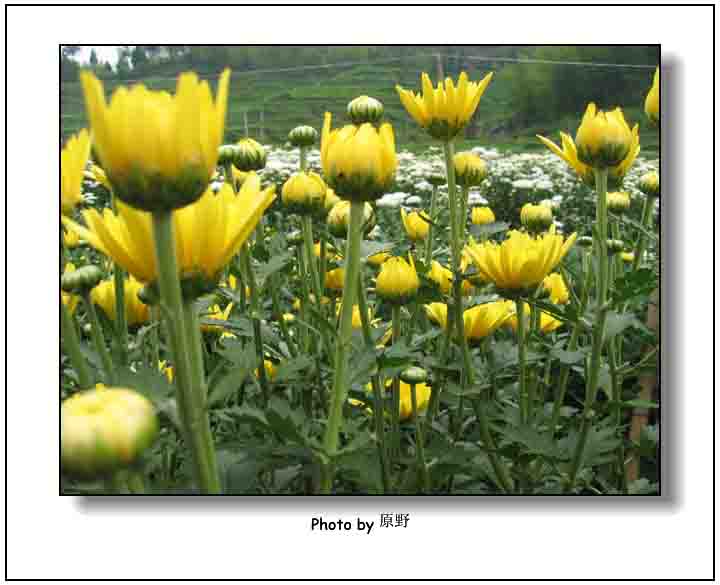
618, 202
437, 179
303, 136
339, 218
249, 155
536, 218
81, 280
470, 169
365, 109
105, 429
584, 242
414, 375
226, 154
615, 246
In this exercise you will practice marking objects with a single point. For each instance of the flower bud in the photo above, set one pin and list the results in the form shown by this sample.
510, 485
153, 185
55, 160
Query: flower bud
103, 430
295, 238
652, 101
414, 375
615, 246
554, 285
398, 281
417, 225
226, 154
470, 169
482, 215
437, 178
304, 193
536, 218
627, 256
618, 202
303, 136
584, 242
81, 280
330, 200
335, 280
604, 138
650, 184
338, 219
249, 155
365, 109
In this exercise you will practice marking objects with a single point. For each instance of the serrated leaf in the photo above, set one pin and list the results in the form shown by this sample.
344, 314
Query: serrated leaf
290, 370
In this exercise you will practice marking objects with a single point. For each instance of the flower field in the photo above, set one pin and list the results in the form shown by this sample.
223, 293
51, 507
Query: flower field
340, 315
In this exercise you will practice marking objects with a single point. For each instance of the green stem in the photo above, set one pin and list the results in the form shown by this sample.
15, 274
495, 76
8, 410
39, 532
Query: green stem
304, 300
284, 330
191, 402
419, 442
98, 338
339, 392
524, 406
591, 387
395, 412
378, 401
312, 267
431, 228
255, 318
71, 344
463, 206
641, 239
229, 179
120, 316
303, 158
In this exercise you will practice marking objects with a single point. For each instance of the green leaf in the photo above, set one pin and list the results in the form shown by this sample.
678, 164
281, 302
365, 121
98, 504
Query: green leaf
230, 382
488, 229
275, 264
617, 323
638, 403
292, 370
569, 357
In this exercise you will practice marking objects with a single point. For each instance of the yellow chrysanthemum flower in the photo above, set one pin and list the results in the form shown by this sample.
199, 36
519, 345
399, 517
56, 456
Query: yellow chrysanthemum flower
470, 169
105, 429
555, 285
208, 233
73, 159
536, 218
652, 101
335, 279
603, 139
616, 173
416, 225
482, 216
98, 175
397, 281
338, 218
158, 150
359, 162
444, 111
304, 193
482, 320
437, 313
547, 324
521, 261
136, 312
618, 201
379, 258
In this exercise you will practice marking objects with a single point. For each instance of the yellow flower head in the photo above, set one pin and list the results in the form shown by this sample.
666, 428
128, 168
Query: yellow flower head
335, 279
105, 429
73, 159
470, 169
652, 101
618, 201
99, 176
270, 370
521, 261
136, 312
444, 111
437, 313
304, 193
217, 314
70, 239
398, 281
331, 199
482, 320
482, 215
649, 184
158, 150
359, 162
616, 173
208, 233
416, 225
603, 138
555, 286
441, 276
547, 324
338, 219
422, 398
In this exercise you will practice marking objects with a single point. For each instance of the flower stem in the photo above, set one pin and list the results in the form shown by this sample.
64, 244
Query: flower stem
419, 442
99, 339
431, 230
339, 391
465, 192
395, 413
524, 407
601, 176
378, 402
72, 346
191, 403
312, 267
255, 319
641, 239
120, 317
